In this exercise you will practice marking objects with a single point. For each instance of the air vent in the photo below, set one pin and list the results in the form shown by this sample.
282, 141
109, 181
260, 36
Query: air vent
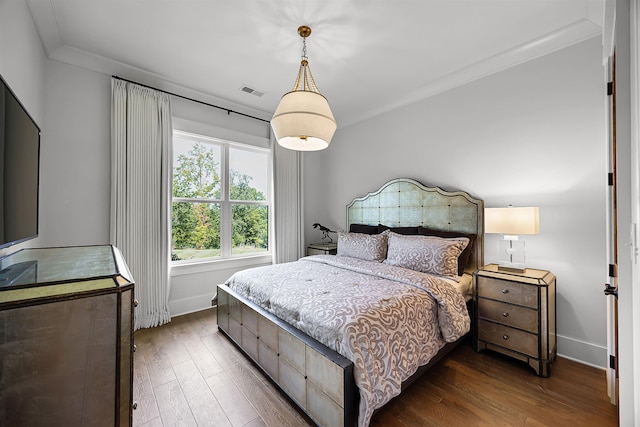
251, 90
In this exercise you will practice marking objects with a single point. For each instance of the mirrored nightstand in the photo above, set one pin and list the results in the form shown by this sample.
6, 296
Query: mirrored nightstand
516, 315
322, 248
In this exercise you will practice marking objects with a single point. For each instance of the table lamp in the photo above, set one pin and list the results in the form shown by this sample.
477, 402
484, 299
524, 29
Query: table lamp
511, 222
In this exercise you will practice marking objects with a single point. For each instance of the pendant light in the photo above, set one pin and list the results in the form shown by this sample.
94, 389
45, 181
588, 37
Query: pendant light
303, 120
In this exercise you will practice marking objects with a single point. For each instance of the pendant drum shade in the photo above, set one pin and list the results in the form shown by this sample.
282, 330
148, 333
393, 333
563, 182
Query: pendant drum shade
303, 120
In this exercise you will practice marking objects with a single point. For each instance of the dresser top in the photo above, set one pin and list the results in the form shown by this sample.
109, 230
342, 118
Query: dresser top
34, 273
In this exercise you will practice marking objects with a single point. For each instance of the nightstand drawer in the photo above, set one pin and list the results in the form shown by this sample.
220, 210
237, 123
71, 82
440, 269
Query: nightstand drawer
507, 314
313, 251
507, 337
322, 249
511, 292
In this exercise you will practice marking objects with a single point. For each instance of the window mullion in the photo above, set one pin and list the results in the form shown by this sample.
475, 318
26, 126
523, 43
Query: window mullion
225, 219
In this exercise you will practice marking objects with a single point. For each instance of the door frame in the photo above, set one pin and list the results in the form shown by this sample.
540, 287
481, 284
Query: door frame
634, 53
620, 31
611, 233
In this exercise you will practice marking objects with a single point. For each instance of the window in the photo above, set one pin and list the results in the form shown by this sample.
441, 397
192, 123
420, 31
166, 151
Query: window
221, 199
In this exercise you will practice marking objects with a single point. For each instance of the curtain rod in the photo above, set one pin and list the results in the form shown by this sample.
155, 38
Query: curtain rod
228, 110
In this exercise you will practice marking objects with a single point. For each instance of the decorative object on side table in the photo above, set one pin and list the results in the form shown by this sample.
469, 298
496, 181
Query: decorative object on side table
325, 231
512, 222
516, 315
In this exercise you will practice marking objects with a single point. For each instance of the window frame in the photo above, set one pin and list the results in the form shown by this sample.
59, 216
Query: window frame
226, 203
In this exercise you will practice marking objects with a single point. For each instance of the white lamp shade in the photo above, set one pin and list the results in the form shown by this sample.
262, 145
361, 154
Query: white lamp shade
303, 121
512, 221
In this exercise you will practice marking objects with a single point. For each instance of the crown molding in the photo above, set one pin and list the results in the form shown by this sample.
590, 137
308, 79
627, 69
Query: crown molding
576, 32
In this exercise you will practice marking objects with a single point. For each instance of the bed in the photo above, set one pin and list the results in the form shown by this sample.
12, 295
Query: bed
342, 335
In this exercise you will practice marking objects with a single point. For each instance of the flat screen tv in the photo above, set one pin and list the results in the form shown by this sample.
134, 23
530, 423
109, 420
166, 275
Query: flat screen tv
19, 170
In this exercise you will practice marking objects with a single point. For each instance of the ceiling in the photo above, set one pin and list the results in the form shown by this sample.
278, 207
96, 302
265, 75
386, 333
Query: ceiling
367, 56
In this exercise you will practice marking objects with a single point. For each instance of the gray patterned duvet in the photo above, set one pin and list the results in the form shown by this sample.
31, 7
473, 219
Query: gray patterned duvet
387, 320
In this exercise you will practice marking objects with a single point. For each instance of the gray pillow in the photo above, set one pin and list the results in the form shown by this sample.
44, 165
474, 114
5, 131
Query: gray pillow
428, 254
370, 247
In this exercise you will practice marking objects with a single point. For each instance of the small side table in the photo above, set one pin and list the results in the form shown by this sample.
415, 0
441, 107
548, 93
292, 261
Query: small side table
516, 315
322, 248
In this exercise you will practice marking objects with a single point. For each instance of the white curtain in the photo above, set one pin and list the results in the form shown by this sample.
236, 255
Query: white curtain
141, 150
288, 203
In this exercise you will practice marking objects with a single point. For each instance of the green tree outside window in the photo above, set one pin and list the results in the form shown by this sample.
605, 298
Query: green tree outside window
196, 210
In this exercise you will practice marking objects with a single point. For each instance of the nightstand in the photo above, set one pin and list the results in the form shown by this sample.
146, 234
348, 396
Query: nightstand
322, 248
516, 315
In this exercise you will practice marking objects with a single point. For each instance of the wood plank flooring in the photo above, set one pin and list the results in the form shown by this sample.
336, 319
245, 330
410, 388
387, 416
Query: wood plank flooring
188, 374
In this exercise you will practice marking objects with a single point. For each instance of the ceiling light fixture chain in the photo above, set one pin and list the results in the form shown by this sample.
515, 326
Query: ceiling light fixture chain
304, 48
305, 81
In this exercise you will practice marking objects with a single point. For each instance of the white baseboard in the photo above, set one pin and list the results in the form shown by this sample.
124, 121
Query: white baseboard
582, 352
189, 305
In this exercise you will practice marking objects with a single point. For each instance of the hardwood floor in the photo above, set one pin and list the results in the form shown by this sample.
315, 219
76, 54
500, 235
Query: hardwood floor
188, 374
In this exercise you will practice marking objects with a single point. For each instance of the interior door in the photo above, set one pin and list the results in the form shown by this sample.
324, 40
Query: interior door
611, 287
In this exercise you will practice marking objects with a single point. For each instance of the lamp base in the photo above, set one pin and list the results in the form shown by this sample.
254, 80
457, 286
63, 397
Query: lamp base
511, 269
511, 255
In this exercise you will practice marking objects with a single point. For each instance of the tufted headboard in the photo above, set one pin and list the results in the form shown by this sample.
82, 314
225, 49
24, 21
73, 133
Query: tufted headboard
405, 202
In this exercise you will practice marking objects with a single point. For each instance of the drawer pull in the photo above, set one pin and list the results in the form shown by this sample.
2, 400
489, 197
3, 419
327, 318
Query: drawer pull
505, 337
505, 291
505, 314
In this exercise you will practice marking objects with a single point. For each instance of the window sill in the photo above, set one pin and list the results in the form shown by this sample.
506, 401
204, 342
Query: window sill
220, 264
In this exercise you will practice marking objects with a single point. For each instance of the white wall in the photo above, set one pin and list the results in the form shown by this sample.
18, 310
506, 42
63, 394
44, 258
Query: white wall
22, 57
76, 162
22, 66
72, 108
529, 135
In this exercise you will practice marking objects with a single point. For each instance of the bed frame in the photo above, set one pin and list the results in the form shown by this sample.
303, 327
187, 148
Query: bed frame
319, 380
